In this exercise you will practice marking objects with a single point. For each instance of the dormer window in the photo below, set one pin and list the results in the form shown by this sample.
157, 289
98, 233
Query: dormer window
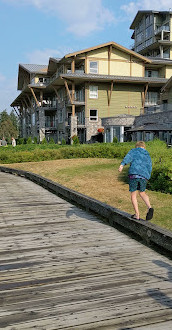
93, 67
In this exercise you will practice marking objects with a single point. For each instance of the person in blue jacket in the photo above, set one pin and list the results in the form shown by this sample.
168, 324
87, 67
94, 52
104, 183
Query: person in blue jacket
139, 173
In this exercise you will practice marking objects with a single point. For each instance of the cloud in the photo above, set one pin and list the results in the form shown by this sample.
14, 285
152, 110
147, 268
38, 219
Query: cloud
133, 6
82, 17
39, 56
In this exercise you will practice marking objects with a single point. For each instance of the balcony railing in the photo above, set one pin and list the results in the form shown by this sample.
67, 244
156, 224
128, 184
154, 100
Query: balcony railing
164, 28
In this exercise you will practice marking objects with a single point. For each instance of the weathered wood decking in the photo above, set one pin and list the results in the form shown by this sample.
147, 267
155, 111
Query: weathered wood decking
63, 268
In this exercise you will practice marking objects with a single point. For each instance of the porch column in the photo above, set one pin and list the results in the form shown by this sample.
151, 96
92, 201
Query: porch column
105, 136
41, 124
111, 134
121, 133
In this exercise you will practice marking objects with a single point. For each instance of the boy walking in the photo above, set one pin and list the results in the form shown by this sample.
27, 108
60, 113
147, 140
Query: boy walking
139, 173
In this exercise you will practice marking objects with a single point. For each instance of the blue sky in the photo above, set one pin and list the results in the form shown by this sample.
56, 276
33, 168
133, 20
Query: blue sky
33, 30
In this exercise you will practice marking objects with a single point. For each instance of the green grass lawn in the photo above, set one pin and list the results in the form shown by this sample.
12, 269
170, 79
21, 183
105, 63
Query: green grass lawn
99, 178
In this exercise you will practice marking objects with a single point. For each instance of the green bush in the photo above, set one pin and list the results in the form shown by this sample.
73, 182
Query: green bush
35, 140
63, 142
161, 179
20, 141
44, 141
51, 141
75, 139
115, 139
29, 140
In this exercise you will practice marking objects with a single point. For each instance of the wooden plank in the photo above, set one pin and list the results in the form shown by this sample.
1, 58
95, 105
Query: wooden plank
63, 268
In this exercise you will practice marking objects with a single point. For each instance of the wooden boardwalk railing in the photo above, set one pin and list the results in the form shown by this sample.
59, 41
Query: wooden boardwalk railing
63, 268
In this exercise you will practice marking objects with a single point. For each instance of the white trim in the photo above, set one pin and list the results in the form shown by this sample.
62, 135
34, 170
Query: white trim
93, 70
93, 94
94, 118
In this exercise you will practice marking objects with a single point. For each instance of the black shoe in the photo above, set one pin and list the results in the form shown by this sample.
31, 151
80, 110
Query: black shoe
149, 215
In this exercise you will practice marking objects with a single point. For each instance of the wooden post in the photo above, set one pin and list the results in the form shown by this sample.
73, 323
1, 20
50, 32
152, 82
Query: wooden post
86, 63
68, 91
144, 96
26, 103
34, 97
73, 65
30, 102
130, 66
109, 58
57, 94
41, 97
16, 111
109, 96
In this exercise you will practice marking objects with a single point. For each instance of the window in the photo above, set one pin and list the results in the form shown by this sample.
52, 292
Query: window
152, 98
148, 31
60, 116
93, 92
93, 67
33, 119
93, 115
151, 73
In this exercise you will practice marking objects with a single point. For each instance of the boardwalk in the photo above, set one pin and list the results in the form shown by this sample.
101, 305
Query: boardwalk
62, 268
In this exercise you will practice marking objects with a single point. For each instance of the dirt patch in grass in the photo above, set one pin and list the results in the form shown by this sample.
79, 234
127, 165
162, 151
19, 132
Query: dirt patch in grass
99, 178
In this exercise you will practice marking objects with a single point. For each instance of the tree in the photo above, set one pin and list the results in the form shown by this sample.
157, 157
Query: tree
14, 119
8, 125
3, 116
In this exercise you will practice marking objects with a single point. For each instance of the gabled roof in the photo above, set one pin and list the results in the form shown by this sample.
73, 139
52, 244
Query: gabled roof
115, 45
27, 70
34, 68
52, 65
141, 13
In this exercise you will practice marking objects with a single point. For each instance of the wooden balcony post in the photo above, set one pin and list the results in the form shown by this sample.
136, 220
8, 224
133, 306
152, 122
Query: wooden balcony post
73, 65
109, 58
32, 91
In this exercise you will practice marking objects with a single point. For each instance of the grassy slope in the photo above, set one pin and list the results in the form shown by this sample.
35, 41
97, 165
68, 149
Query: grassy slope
99, 178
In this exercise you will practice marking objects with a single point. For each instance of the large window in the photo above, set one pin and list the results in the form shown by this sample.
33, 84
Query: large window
152, 98
148, 31
93, 67
93, 92
93, 115
151, 73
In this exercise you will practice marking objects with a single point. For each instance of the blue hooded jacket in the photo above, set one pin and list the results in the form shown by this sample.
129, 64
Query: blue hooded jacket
140, 162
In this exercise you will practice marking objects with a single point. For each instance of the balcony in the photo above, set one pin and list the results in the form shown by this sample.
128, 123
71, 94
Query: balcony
49, 105
164, 28
41, 82
79, 98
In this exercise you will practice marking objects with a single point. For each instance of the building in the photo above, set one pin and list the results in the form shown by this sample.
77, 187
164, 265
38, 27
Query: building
71, 96
153, 34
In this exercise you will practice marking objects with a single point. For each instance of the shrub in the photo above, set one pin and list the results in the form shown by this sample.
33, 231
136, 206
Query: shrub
115, 139
20, 141
44, 141
63, 142
29, 140
35, 140
161, 179
51, 141
75, 139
